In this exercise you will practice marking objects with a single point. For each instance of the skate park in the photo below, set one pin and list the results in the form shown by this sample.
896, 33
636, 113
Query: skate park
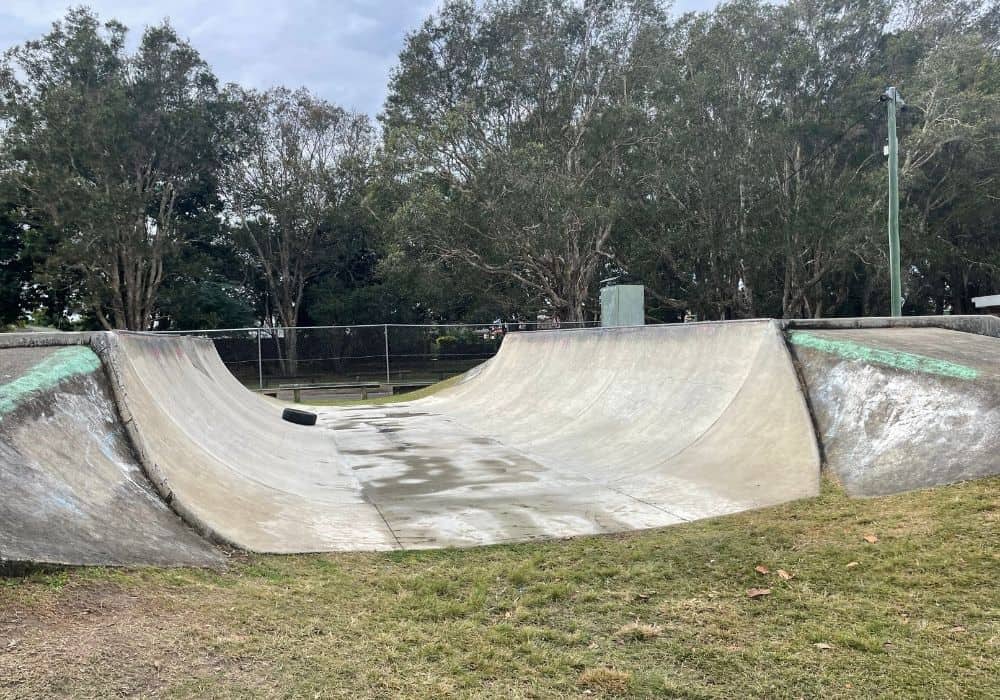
143, 449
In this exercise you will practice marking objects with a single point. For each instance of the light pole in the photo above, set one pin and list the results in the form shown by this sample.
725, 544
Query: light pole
893, 102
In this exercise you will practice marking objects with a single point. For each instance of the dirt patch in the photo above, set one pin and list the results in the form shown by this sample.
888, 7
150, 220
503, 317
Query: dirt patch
124, 642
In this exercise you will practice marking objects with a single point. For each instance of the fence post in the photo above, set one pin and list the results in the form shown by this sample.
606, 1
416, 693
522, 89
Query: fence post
260, 361
385, 329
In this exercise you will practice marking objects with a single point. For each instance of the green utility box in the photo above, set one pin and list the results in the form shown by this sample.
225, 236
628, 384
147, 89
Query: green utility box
623, 305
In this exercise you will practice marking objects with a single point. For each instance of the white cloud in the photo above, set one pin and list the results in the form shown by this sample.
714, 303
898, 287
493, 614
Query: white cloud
343, 50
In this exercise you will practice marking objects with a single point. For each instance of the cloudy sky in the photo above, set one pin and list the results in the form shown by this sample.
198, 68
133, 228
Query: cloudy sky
342, 50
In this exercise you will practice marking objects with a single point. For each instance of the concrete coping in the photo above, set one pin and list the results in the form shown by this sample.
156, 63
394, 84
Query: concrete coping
980, 324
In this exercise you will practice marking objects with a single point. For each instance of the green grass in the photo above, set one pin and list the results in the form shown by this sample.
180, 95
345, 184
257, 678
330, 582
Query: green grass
653, 614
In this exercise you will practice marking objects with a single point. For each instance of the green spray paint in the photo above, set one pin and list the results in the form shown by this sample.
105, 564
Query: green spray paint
850, 350
62, 364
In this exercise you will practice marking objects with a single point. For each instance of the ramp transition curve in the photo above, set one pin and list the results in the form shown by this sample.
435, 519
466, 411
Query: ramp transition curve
121, 448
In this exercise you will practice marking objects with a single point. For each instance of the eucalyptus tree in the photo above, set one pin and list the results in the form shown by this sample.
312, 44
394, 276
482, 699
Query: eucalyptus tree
297, 160
950, 146
513, 123
108, 146
764, 124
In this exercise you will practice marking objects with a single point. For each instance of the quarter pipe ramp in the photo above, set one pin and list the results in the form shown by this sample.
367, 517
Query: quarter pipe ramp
71, 488
903, 408
122, 448
561, 434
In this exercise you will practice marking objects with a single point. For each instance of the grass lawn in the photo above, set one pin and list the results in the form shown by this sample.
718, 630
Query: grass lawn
666, 613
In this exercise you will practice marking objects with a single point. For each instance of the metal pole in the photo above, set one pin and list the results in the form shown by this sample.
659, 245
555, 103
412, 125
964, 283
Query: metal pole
260, 361
385, 329
896, 290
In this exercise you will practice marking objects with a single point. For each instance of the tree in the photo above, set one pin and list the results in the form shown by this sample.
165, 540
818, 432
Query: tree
107, 145
15, 266
754, 198
949, 174
512, 122
298, 159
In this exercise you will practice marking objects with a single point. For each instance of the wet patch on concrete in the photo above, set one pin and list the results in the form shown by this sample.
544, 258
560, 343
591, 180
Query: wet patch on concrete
437, 484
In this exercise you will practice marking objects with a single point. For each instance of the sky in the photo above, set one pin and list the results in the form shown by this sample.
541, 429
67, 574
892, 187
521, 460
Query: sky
342, 50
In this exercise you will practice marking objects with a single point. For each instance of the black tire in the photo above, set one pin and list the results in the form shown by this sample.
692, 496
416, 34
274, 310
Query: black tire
294, 415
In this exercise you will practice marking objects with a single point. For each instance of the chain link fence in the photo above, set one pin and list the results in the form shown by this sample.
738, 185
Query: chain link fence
380, 358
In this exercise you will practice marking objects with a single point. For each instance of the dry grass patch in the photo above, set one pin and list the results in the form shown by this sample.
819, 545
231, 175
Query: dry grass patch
638, 631
605, 680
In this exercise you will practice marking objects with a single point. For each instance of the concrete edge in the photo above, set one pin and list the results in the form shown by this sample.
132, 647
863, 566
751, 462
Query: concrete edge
979, 324
39, 340
105, 345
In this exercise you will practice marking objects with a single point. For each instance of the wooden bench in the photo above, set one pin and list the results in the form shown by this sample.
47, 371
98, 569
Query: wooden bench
297, 389
392, 388
403, 387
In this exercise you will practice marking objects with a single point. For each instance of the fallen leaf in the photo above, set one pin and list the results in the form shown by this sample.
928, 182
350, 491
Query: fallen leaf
871, 539
823, 645
758, 592
785, 575
761, 569
852, 564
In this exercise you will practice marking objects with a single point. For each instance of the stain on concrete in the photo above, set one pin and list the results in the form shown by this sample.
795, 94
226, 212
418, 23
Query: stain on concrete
58, 366
72, 490
886, 428
850, 350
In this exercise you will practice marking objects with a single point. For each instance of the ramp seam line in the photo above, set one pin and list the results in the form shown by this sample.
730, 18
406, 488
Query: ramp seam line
388, 526
651, 505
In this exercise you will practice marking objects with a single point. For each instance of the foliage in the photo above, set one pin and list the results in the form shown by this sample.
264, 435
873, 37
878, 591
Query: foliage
298, 160
730, 160
15, 269
511, 126
115, 152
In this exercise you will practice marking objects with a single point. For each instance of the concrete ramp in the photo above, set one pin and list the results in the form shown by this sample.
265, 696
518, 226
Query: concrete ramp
691, 421
903, 408
120, 448
229, 464
71, 488
563, 433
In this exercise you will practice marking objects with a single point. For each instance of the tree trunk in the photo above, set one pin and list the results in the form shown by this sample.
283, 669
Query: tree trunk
291, 351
